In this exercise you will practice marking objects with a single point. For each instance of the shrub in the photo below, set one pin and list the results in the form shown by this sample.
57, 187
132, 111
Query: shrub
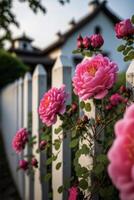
11, 68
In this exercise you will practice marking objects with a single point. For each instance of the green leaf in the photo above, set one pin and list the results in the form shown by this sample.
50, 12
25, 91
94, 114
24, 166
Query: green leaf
83, 184
88, 107
48, 177
121, 48
132, 19
60, 189
82, 104
87, 53
98, 169
74, 143
76, 51
57, 144
125, 52
81, 171
49, 161
102, 158
85, 149
131, 55
58, 130
58, 165
126, 58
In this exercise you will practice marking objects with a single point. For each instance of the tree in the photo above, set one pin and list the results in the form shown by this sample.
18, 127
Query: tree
7, 17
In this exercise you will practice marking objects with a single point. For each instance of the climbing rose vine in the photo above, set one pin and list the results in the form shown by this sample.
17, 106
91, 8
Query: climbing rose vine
111, 155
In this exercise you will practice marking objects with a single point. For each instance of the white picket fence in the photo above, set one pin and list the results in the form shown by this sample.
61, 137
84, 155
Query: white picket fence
21, 99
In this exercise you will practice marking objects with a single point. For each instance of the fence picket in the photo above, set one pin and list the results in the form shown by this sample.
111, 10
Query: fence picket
28, 182
39, 86
61, 74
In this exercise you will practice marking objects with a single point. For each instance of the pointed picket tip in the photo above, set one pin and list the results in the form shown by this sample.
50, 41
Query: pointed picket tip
130, 69
27, 77
62, 61
39, 70
20, 81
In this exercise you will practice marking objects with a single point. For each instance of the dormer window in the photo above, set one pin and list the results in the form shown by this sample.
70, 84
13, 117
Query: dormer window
24, 45
97, 30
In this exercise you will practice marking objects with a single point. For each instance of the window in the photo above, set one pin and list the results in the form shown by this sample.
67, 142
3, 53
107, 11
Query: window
24, 45
97, 30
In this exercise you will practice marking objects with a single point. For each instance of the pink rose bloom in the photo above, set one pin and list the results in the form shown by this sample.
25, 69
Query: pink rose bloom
73, 193
124, 28
23, 164
86, 42
115, 99
52, 103
19, 140
94, 77
79, 42
96, 40
121, 156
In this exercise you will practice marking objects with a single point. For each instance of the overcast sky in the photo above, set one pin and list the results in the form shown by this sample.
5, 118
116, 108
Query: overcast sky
42, 28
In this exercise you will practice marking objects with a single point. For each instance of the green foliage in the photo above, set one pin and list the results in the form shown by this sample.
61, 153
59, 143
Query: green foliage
11, 68
121, 48
132, 19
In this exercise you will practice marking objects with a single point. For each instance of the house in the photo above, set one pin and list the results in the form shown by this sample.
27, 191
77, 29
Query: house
100, 19
30, 55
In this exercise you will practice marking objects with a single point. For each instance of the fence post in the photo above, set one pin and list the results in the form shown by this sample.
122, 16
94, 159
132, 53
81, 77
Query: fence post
20, 125
130, 77
61, 74
28, 182
39, 87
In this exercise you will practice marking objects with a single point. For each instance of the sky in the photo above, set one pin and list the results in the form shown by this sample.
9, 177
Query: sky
43, 28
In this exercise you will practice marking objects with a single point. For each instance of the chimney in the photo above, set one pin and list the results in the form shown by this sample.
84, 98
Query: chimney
72, 23
59, 34
93, 5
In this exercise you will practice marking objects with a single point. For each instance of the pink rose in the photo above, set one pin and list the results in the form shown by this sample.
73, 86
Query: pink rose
124, 28
23, 164
121, 156
86, 42
79, 42
115, 99
19, 140
52, 103
94, 77
34, 162
43, 144
96, 40
73, 193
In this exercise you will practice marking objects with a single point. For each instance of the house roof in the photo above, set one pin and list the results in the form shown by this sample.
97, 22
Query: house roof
101, 7
23, 38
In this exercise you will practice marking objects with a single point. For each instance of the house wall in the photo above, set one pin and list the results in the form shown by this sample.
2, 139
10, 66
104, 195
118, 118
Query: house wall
110, 44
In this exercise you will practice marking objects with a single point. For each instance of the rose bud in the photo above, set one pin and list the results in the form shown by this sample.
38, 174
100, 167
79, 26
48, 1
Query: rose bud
34, 162
86, 42
43, 145
108, 107
23, 164
74, 107
96, 40
85, 118
124, 28
122, 89
79, 42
